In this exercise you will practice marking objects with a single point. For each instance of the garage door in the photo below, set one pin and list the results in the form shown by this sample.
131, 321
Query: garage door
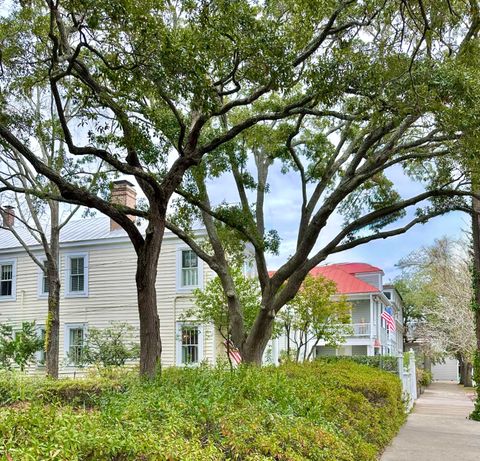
447, 371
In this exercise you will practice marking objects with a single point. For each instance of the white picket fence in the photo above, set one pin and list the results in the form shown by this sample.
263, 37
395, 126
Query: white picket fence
408, 376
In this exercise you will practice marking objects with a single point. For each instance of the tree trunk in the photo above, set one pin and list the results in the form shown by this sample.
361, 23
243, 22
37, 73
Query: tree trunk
476, 265
467, 381
146, 276
287, 331
476, 288
253, 353
461, 366
254, 347
52, 327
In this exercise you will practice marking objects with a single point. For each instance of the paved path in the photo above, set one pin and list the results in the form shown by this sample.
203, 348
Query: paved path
438, 428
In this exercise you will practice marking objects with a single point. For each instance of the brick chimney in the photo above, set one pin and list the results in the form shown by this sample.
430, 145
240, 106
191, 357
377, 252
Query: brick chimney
123, 193
8, 215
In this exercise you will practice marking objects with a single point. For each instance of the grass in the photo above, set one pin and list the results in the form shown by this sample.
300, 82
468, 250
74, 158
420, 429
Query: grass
315, 411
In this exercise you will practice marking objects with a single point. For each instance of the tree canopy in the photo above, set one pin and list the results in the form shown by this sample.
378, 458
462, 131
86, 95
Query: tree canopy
396, 92
436, 286
178, 95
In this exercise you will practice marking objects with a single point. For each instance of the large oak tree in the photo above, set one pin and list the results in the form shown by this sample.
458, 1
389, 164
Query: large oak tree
154, 86
398, 92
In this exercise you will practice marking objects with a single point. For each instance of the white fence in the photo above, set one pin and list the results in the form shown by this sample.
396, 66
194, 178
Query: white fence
408, 375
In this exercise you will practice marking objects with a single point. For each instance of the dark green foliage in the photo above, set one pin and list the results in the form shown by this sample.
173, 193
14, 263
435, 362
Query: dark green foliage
15, 389
424, 377
383, 362
109, 347
476, 377
317, 411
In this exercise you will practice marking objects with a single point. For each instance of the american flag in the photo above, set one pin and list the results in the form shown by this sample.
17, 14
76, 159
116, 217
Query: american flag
387, 315
233, 353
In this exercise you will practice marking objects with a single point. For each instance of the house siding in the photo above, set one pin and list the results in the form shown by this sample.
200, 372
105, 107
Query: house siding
373, 279
111, 294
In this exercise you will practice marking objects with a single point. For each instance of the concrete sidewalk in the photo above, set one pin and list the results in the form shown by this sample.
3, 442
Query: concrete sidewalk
438, 428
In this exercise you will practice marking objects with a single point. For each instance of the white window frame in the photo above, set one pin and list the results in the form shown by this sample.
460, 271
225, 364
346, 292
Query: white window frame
66, 349
180, 287
76, 294
13, 263
41, 275
178, 341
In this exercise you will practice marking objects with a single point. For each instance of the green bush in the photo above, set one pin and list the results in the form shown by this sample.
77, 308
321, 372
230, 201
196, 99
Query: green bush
318, 411
424, 377
18, 347
475, 415
109, 347
17, 388
384, 362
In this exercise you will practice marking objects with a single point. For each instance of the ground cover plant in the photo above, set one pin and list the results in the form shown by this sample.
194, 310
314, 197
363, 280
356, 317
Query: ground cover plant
316, 411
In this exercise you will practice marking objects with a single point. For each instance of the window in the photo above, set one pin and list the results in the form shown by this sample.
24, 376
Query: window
42, 280
74, 342
77, 275
189, 344
41, 354
7, 280
189, 273
189, 268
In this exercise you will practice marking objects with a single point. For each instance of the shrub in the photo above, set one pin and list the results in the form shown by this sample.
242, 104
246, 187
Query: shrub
475, 415
424, 377
319, 411
18, 346
384, 362
15, 388
109, 347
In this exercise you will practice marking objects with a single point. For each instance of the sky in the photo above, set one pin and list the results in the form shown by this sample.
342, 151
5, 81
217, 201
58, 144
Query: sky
282, 211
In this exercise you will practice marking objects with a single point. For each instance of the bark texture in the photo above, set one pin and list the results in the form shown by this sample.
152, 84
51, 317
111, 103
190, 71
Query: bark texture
52, 327
146, 276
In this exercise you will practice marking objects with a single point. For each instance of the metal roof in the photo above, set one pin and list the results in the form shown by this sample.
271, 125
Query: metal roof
345, 281
357, 268
343, 276
79, 230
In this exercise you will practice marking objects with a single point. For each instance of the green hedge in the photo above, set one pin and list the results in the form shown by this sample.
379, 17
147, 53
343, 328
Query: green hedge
384, 362
317, 411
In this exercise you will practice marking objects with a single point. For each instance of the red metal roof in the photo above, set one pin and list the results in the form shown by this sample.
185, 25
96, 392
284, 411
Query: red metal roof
345, 281
357, 268
342, 275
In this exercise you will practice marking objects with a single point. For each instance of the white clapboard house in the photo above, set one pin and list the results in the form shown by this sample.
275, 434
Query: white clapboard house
97, 264
362, 285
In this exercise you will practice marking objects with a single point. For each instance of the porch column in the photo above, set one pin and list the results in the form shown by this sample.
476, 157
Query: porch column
372, 315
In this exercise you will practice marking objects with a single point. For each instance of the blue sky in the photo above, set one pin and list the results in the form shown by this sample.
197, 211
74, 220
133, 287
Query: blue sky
282, 212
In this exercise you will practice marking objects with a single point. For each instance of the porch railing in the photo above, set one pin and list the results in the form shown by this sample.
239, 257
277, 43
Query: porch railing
356, 329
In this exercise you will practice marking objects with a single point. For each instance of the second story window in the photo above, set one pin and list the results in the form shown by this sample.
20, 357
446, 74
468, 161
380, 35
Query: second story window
7, 280
77, 270
189, 269
77, 274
